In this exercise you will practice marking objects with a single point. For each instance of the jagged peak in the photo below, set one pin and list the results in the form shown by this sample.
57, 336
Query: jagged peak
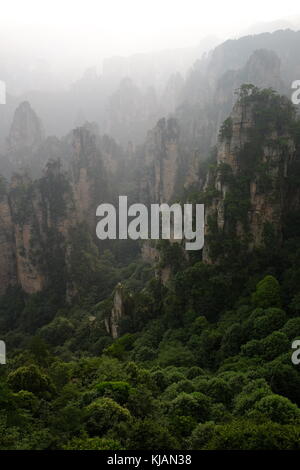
26, 130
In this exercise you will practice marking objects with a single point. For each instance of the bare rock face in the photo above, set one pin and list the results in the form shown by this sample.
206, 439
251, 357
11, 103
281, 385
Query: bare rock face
41, 212
7, 246
25, 137
112, 323
22, 199
36, 218
169, 165
240, 121
162, 161
88, 175
151, 254
167, 171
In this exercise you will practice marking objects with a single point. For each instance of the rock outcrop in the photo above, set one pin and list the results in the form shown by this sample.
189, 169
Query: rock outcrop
112, 323
162, 161
8, 275
88, 175
38, 216
247, 190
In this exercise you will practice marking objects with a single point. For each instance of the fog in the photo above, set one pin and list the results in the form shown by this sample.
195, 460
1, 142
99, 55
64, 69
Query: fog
62, 38
121, 64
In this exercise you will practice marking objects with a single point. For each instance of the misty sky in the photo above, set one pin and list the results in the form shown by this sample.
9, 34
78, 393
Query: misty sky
81, 33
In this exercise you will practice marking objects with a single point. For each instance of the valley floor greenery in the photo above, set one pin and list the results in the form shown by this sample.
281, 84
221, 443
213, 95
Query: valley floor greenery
204, 363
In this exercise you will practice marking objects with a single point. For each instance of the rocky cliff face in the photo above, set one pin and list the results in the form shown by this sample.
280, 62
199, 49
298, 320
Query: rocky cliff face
38, 215
7, 246
112, 323
166, 167
247, 191
87, 174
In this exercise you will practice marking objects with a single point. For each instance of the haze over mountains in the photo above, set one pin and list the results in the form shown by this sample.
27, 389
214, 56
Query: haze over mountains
139, 343
64, 96
63, 102
125, 100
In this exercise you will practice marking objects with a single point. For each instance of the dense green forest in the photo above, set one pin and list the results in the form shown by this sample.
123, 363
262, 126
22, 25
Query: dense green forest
202, 361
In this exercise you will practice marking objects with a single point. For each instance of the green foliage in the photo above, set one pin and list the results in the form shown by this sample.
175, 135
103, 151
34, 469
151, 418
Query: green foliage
118, 391
87, 272
175, 354
226, 129
195, 405
267, 293
58, 331
120, 347
201, 435
278, 409
31, 379
237, 200
93, 443
150, 434
250, 395
247, 435
171, 254
275, 344
102, 414
273, 319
